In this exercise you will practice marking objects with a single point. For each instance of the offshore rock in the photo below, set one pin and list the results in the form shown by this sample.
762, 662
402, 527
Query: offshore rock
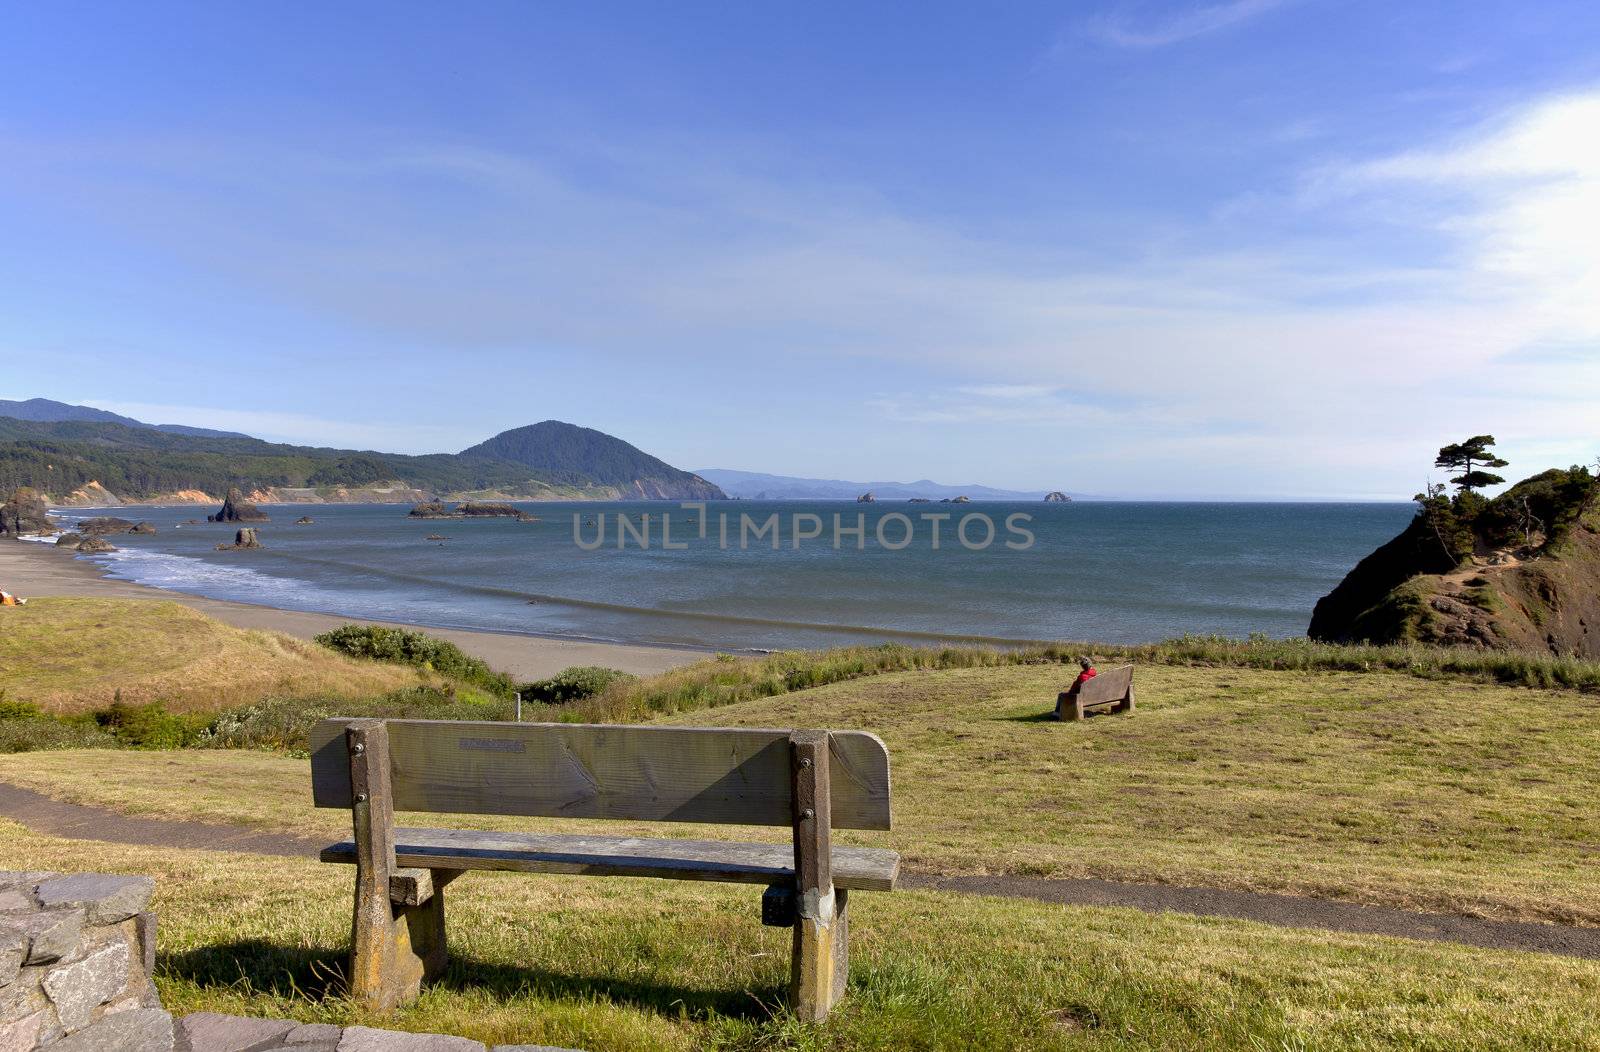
236, 509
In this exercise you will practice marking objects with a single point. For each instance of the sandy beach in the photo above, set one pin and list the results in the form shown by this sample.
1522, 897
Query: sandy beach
31, 569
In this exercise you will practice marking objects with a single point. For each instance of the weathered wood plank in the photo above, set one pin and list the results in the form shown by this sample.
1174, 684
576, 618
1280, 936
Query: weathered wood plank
811, 977
562, 770
733, 862
387, 963
413, 887
1107, 687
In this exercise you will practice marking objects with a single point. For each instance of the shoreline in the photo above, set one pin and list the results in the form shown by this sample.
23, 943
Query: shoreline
31, 569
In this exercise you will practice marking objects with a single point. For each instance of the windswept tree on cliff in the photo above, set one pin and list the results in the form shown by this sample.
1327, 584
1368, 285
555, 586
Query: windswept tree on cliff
1467, 457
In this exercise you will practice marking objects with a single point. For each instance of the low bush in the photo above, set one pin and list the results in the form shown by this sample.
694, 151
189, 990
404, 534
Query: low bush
285, 723
28, 733
418, 649
572, 684
150, 726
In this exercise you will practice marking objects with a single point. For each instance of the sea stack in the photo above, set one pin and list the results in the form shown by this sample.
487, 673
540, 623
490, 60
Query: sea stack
866, 498
1055, 496
245, 538
236, 509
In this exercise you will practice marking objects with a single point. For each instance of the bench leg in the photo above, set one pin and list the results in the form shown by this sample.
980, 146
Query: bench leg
821, 966
1126, 705
426, 926
385, 965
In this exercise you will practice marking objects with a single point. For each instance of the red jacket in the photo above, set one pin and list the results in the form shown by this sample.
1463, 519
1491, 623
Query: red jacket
1084, 676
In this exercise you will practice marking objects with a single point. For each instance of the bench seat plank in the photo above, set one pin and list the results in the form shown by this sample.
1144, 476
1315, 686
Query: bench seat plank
855, 868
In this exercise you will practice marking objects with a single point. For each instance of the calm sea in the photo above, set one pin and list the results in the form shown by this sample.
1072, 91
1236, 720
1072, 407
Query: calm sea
1113, 572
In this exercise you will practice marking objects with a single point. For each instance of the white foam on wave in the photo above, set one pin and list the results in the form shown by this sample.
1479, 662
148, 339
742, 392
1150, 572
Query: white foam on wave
180, 573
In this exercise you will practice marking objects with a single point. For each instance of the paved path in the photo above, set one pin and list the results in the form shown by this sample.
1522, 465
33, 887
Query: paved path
76, 821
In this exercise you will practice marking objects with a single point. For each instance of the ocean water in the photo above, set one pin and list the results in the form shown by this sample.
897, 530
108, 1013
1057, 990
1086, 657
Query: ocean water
1105, 571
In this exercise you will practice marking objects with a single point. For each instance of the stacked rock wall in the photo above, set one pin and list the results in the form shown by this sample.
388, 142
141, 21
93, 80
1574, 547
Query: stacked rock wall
76, 953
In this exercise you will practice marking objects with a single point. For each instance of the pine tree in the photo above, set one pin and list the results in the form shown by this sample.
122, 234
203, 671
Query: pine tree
1465, 457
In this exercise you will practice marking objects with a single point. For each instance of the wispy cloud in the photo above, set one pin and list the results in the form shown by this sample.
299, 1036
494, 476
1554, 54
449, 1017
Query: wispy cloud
1125, 29
1398, 294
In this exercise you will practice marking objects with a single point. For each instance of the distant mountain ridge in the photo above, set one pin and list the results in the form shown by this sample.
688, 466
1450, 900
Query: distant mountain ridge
45, 410
756, 485
94, 461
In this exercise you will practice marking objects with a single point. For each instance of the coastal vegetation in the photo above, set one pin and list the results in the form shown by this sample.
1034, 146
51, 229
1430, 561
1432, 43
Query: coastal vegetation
69, 656
551, 459
1373, 787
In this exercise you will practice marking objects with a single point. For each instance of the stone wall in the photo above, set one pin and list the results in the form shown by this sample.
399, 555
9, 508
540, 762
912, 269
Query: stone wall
76, 954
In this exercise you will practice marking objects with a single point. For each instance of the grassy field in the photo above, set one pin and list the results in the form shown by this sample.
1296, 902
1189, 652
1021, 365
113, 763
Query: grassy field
70, 655
655, 965
1375, 787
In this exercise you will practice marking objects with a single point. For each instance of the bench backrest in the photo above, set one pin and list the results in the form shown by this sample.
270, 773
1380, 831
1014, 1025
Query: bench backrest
1109, 685
723, 775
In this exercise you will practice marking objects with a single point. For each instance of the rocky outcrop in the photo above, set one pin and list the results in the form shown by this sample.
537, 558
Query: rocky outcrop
91, 495
102, 525
956, 500
1055, 496
305, 520
470, 509
69, 540
866, 498
96, 546
235, 508
26, 512
143, 527
1519, 572
185, 496
243, 540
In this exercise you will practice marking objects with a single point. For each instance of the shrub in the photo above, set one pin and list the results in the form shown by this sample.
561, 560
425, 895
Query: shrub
18, 710
572, 684
150, 726
285, 723
28, 733
408, 647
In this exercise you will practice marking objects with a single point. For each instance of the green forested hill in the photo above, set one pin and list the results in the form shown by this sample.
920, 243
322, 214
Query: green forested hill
561, 451
140, 463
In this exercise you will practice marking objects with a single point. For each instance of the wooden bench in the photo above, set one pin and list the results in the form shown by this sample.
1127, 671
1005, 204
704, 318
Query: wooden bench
1109, 690
810, 780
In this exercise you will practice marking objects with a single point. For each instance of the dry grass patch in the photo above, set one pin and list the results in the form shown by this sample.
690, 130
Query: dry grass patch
70, 655
665, 966
1373, 787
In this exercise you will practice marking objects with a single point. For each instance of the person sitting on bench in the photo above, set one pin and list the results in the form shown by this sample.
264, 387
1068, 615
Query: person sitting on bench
1085, 676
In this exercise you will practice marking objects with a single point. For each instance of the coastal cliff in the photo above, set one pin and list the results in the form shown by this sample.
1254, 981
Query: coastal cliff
1521, 571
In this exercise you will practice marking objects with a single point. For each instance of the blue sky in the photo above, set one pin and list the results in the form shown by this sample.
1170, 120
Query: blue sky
1247, 248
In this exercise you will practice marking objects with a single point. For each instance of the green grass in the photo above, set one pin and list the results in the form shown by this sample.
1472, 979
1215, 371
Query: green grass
728, 681
74, 655
609, 965
1373, 787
